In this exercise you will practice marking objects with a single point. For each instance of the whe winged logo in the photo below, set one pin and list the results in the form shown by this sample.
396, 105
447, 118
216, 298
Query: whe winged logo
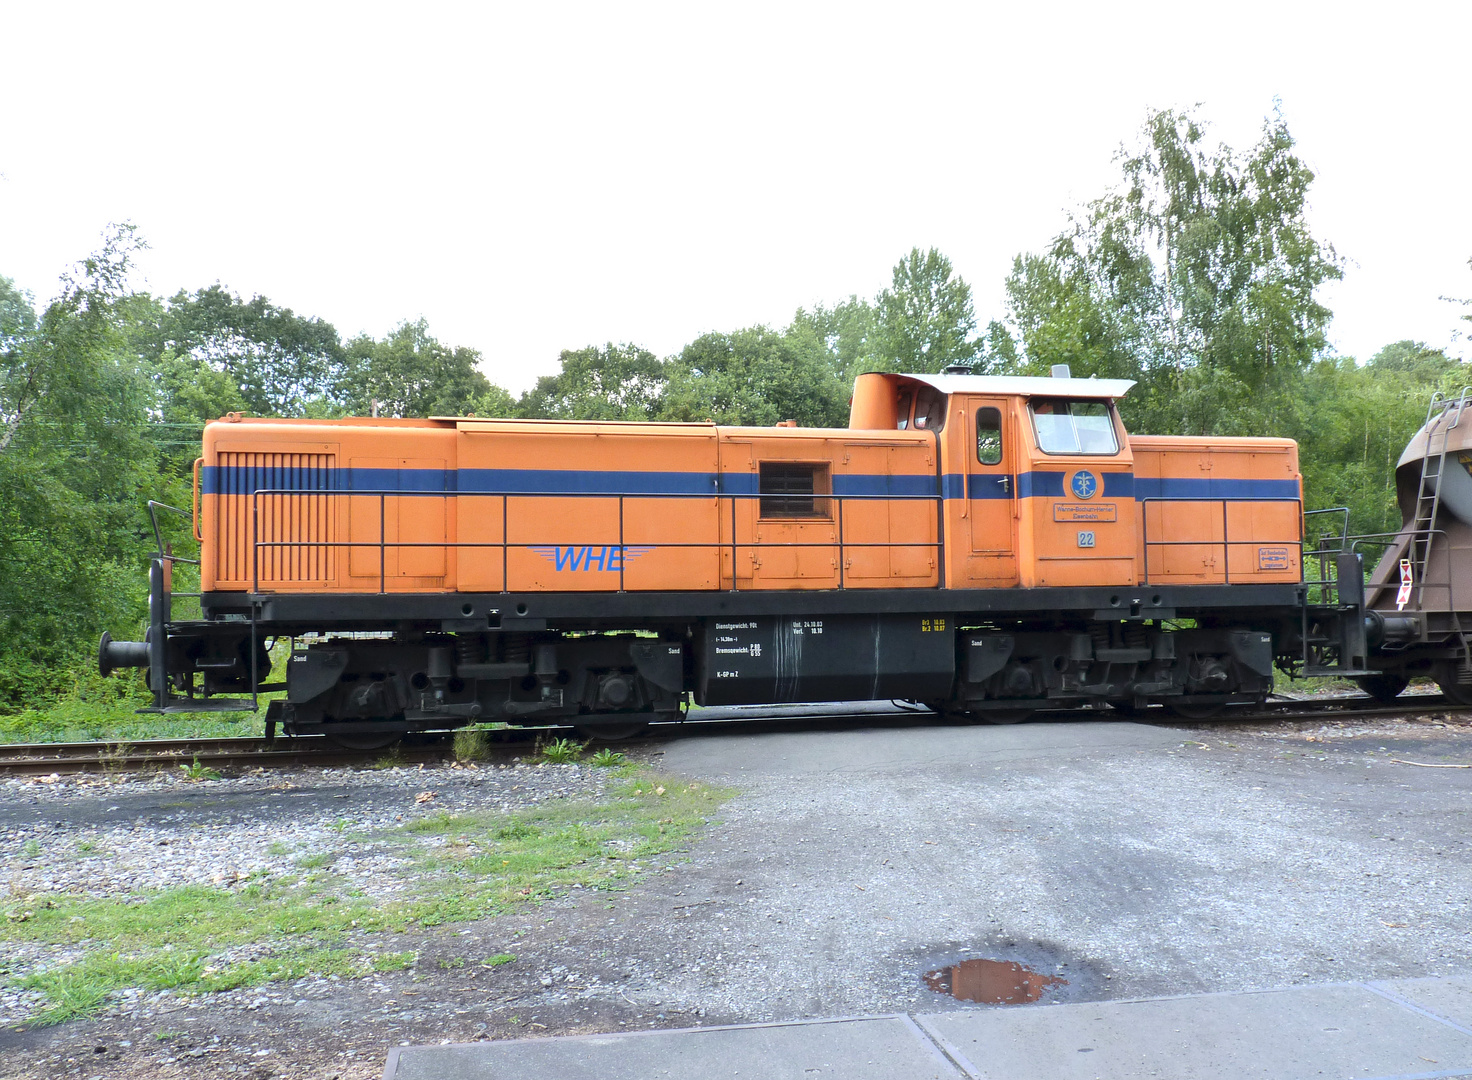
591, 557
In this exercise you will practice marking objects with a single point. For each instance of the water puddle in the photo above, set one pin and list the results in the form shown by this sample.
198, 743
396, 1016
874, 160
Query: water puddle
992, 982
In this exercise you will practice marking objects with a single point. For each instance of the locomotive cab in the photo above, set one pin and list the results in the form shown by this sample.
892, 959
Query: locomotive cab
1036, 474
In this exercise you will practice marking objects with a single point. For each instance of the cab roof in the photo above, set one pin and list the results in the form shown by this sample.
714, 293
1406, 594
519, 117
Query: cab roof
1024, 385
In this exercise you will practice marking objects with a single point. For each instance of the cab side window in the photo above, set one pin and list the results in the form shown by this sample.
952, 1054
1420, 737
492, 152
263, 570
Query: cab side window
989, 436
904, 410
930, 409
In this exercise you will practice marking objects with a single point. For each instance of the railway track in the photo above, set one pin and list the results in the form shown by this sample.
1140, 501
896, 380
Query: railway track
248, 753
236, 755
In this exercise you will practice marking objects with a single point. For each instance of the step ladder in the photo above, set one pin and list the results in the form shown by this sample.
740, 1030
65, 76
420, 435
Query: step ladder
1428, 494
1428, 503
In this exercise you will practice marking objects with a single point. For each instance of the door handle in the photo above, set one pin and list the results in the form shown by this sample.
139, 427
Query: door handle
1005, 482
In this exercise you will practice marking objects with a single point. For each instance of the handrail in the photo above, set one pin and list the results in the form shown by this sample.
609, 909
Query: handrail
153, 507
505, 545
194, 516
1343, 532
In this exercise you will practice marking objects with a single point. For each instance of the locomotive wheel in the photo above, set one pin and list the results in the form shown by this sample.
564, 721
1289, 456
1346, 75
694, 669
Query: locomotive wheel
1446, 678
1004, 716
363, 740
1196, 710
611, 732
1384, 686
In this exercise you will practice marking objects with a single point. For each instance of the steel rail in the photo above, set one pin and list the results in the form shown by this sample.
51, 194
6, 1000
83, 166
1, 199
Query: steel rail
245, 753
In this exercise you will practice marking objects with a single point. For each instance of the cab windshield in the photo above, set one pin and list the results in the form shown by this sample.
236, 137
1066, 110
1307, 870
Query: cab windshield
1064, 426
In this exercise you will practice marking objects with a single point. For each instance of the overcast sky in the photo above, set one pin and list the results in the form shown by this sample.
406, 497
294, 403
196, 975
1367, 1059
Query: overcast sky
535, 177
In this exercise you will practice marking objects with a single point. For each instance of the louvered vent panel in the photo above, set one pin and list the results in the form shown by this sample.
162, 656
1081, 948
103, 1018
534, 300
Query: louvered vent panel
300, 522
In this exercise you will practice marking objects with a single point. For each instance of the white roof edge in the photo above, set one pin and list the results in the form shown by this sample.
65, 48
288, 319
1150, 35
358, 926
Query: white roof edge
1027, 385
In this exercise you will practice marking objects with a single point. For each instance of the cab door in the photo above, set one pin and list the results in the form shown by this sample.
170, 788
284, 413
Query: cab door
990, 503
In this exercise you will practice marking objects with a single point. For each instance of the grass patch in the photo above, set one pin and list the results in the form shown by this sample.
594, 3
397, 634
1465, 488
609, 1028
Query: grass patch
97, 709
394, 961
79, 720
467, 866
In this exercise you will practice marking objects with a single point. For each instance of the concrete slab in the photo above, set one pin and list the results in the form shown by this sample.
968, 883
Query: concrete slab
1449, 998
869, 1048
1319, 1031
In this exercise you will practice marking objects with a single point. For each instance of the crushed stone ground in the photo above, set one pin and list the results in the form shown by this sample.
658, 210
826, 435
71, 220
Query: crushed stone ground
1129, 859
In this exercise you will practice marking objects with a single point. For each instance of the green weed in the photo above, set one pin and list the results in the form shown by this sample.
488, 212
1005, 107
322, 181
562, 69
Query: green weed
195, 772
497, 960
562, 751
472, 744
607, 759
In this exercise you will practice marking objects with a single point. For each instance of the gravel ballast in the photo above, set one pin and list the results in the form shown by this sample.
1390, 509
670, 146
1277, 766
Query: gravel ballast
1129, 859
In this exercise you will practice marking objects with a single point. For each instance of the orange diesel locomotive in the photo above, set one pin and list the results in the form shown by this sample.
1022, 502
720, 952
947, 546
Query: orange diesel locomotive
981, 544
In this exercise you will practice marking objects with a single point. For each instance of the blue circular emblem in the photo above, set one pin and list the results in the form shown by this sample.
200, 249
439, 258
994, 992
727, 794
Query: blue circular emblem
1084, 485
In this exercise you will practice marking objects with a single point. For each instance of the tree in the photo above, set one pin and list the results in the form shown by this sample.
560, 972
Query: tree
1359, 421
615, 382
409, 373
924, 320
1199, 273
757, 377
75, 460
845, 333
283, 364
996, 351
17, 321
495, 402
1465, 303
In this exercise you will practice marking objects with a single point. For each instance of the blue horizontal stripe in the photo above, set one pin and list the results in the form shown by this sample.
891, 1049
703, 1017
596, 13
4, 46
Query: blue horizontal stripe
1048, 484
586, 481
887, 484
242, 480
846, 484
435, 480
1040, 485
990, 486
1156, 487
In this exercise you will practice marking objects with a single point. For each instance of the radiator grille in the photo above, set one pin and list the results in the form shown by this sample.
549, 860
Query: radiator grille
287, 518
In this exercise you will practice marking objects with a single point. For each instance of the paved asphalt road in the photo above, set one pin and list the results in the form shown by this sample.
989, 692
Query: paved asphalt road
1133, 860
